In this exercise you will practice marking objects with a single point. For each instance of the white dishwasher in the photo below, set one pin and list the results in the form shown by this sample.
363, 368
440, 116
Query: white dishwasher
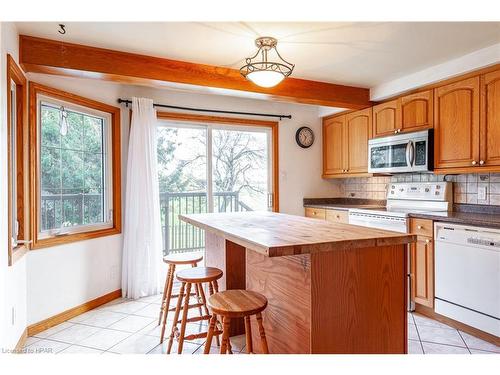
467, 275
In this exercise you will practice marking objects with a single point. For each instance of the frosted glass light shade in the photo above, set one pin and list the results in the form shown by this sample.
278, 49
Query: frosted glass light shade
265, 78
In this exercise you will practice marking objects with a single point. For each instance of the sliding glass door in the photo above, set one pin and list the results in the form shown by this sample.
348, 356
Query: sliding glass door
210, 168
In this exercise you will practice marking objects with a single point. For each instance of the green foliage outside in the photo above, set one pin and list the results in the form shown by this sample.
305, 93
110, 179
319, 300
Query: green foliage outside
71, 170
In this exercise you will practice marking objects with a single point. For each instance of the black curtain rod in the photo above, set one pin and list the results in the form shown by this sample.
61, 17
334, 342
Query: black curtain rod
127, 102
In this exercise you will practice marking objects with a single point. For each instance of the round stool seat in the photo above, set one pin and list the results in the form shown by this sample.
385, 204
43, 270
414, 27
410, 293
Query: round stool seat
237, 303
186, 258
199, 275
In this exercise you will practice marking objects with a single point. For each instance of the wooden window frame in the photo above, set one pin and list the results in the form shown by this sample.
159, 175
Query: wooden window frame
15, 74
273, 125
35, 90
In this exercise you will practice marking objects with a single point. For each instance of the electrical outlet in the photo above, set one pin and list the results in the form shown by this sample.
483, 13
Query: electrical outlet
113, 273
481, 193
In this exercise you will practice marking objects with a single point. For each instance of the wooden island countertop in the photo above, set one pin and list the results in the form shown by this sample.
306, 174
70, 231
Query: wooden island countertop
331, 287
275, 234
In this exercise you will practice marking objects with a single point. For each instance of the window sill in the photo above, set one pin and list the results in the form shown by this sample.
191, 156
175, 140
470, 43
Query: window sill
75, 237
17, 253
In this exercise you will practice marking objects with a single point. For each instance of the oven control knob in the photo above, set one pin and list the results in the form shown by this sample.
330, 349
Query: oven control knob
426, 190
438, 187
436, 192
401, 189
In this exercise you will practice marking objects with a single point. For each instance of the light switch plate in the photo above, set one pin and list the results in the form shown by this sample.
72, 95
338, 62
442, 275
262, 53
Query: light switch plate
481, 193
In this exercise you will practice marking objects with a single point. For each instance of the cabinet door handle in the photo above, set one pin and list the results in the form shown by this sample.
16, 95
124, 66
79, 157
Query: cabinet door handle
427, 241
474, 162
481, 162
395, 132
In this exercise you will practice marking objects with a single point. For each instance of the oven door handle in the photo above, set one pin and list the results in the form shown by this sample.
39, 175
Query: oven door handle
410, 153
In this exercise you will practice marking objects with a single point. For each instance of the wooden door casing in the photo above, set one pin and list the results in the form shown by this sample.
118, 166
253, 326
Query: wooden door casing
456, 124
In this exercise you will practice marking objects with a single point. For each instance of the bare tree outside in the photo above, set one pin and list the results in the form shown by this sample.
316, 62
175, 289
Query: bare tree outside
239, 177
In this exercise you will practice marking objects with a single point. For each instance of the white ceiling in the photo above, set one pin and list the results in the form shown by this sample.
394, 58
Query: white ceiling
361, 54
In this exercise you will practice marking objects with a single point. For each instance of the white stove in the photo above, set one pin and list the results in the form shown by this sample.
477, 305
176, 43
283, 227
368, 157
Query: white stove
403, 199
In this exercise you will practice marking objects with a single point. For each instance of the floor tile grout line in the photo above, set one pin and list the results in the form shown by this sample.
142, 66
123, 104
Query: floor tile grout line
465, 342
119, 342
440, 343
418, 334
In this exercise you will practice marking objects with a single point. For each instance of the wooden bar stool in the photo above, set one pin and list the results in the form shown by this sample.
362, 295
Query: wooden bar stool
193, 276
236, 304
174, 260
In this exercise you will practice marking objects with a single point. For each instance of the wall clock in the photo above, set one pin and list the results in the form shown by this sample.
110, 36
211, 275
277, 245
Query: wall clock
304, 137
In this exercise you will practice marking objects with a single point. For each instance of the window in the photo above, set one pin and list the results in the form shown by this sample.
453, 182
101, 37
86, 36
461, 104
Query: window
77, 183
212, 164
16, 99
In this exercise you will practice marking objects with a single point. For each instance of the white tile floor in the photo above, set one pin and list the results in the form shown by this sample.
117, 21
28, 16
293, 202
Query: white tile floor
130, 327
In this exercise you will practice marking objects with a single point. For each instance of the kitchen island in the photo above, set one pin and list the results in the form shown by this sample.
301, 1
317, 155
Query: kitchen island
332, 287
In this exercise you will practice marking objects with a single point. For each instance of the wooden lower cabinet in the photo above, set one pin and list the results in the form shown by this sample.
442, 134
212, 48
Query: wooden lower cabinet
422, 263
337, 216
316, 213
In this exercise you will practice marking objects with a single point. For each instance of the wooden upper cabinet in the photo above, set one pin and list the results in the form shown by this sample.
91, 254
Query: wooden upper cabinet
456, 124
358, 126
386, 118
334, 147
490, 119
417, 111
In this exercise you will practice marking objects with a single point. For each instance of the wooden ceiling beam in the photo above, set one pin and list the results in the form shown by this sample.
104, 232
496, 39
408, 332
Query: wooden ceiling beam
54, 57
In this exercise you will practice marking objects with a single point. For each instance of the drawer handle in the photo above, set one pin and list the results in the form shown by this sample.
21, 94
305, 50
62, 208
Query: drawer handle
338, 216
419, 227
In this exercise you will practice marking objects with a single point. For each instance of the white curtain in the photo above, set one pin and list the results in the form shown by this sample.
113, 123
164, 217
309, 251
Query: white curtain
142, 242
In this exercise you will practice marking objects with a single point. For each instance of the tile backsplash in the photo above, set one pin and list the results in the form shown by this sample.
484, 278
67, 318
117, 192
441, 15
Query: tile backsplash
465, 187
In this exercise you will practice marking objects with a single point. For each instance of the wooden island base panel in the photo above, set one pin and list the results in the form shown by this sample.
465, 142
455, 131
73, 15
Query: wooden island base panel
331, 287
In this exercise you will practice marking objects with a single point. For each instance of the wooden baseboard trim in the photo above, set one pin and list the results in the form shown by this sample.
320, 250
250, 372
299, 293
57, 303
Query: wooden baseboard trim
430, 313
22, 340
71, 313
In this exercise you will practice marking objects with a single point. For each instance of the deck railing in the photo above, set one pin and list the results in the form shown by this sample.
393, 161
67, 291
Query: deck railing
177, 235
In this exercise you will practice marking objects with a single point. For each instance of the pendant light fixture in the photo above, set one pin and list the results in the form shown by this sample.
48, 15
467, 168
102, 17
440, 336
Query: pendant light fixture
261, 70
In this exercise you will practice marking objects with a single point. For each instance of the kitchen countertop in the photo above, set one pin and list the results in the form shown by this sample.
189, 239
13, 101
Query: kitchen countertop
275, 234
342, 207
466, 218
467, 214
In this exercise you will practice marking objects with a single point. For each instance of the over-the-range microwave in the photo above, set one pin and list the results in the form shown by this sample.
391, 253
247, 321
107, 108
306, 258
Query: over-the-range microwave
407, 152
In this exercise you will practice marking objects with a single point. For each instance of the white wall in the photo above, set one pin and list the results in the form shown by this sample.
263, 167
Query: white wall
455, 67
12, 279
